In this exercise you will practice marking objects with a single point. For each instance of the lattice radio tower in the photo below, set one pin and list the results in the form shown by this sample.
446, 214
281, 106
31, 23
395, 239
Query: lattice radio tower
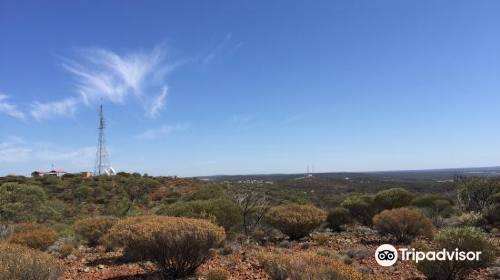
102, 166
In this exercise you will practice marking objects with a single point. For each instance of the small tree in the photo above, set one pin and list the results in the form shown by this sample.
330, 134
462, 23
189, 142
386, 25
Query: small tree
477, 193
296, 220
253, 205
403, 224
136, 187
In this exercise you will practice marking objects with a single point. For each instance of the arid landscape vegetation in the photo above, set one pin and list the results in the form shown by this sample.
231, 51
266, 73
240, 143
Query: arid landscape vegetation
133, 226
249, 140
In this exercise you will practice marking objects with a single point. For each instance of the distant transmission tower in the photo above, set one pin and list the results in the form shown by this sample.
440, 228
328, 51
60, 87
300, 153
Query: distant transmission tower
102, 166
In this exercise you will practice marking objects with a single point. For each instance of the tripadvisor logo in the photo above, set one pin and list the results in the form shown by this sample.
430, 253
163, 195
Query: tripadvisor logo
387, 255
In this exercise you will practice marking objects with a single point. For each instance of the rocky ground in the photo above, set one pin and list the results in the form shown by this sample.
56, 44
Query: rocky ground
353, 248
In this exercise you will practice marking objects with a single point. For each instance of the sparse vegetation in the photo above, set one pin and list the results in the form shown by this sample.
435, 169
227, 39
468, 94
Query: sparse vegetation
308, 266
241, 210
217, 274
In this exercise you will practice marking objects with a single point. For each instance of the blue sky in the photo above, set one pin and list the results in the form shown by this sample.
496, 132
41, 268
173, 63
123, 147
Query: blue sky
236, 87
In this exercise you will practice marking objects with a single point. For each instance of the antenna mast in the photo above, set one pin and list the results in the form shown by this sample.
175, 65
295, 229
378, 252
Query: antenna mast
102, 166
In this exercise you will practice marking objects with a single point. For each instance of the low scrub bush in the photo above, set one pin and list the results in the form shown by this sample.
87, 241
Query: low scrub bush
178, 246
21, 263
467, 239
337, 217
224, 212
403, 224
217, 274
435, 207
320, 239
295, 220
361, 208
308, 266
471, 219
63, 247
35, 236
392, 198
93, 228
492, 215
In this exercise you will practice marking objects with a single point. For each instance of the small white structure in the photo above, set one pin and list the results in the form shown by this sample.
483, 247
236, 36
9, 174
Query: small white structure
57, 173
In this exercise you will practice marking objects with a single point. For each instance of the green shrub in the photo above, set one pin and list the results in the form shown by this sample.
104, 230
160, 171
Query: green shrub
320, 238
35, 236
433, 205
337, 217
361, 208
296, 221
492, 215
471, 219
65, 250
477, 193
403, 224
178, 246
212, 191
217, 274
392, 198
224, 212
467, 239
93, 228
21, 263
308, 266
24, 203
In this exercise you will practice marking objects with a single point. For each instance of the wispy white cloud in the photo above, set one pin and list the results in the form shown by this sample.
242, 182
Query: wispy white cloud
226, 47
163, 130
157, 104
218, 49
10, 108
101, 74
243, 119
42, 111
